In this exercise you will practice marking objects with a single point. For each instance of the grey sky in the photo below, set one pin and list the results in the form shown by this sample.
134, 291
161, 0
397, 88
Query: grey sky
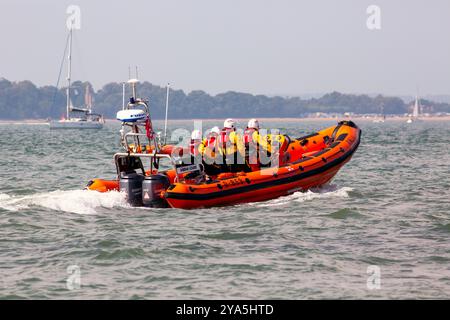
269, 47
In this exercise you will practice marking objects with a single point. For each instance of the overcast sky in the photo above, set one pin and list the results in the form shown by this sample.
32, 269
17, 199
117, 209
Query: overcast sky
257, 46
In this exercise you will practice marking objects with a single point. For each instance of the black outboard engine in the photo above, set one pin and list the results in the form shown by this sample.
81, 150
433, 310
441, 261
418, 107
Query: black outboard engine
131, 184
152, 186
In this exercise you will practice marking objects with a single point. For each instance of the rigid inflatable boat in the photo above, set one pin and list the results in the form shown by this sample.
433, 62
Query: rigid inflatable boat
309, 161
315, 160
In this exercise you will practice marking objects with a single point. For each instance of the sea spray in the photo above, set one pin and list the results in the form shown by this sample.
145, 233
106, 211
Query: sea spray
329, 191
75, 201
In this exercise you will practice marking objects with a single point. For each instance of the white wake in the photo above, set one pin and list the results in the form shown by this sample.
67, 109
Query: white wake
76, 201
329, 191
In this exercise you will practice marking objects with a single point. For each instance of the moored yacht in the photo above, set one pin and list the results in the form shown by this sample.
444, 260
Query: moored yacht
76, 117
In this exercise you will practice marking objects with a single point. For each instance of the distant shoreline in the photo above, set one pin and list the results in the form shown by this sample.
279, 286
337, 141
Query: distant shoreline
242, 120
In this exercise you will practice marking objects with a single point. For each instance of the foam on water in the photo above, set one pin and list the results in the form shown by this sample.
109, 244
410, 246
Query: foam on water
75, 201
329, 191
87, 202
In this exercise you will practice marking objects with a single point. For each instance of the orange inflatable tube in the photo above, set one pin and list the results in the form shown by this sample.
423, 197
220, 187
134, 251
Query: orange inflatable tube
101, 185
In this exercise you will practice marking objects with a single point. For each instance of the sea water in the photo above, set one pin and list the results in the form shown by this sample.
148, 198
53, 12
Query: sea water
380, 229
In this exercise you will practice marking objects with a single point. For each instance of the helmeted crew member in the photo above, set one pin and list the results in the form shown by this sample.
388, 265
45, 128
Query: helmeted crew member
231, 147
210, 152
208, 148
251, 142
194, 146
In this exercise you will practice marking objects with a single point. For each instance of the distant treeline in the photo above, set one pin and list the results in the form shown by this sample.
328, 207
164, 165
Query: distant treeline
23, 100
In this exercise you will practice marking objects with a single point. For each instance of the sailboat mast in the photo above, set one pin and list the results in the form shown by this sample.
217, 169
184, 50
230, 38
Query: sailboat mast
419, 107
69, 73
416, 108
167, 108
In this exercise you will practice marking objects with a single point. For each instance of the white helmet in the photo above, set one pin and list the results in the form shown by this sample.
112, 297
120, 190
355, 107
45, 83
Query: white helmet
253, 123
215, 130
229, 123
196, 135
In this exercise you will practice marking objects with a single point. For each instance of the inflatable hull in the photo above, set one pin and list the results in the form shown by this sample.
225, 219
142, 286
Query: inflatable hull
312, 161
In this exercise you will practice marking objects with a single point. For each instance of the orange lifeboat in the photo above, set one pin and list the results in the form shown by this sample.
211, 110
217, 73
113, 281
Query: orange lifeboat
311, 161
314, 160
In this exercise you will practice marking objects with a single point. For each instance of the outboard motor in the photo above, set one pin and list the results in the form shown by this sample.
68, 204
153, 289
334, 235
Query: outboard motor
152, 187
131, 184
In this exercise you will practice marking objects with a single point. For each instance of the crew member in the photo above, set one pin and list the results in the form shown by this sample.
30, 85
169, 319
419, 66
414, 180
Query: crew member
251, 141
231, 148
209, 145
194, 147
209, 151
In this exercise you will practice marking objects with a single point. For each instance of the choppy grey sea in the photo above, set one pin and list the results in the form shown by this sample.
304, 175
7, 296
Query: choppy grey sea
381, 229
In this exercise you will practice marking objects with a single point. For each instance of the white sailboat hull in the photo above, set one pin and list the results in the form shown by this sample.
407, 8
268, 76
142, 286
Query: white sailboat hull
75, 124
411, 120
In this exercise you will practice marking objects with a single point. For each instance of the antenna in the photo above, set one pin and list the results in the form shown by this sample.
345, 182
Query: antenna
167, 108
69, 72
133, 83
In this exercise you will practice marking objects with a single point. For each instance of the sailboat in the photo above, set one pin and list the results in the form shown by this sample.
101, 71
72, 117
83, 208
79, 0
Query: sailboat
416, 112
76, 117
383, 116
